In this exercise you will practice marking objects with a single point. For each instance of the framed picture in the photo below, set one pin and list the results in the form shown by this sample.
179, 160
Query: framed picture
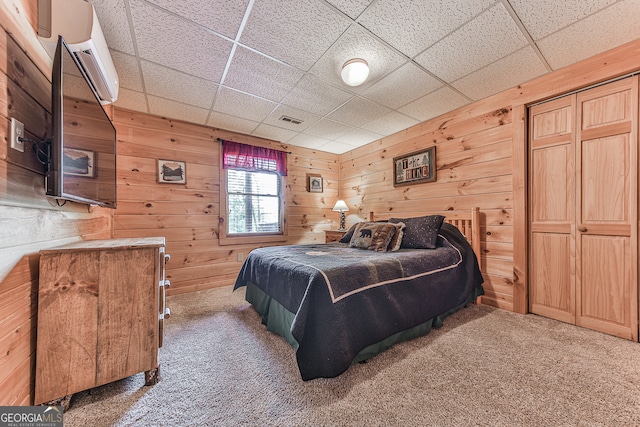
172, 172
414, 168
78, 162
314, 184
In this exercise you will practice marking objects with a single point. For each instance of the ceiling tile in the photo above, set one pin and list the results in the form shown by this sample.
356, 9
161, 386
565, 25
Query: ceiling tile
222, 16
390, 123
434, 104
505, 73
427, 58
359, 137
128, 70
273, 132
294, 31
543, 17
353, 8
308, 141
131, 100
358, 111
177, 44
412, 26
238, 104
313, 95
112, 16
357, 43
224, 121
328, 129
403, 86
604, 30
175, 85
487, 38
307, 119
175, 110
336, 147
254, 73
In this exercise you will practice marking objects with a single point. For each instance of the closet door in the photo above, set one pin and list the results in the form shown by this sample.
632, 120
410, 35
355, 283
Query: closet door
606, 209
552, 209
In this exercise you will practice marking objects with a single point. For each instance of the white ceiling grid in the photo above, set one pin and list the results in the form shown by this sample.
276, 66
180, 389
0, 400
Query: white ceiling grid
243, 64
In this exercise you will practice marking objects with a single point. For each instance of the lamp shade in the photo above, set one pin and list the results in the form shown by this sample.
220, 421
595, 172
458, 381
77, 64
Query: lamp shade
341, 206
355, 72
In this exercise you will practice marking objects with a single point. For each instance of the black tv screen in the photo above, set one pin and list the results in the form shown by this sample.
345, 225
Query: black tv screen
82, 157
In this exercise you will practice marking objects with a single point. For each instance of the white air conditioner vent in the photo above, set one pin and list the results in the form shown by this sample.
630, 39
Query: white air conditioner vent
93, 68
77, 23
291, 120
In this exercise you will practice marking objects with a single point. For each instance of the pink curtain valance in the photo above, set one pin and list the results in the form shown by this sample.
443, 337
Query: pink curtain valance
253, 159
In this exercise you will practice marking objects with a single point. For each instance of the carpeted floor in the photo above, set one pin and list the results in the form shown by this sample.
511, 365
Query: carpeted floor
484, 367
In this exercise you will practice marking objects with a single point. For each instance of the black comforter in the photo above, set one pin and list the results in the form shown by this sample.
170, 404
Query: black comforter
346, 299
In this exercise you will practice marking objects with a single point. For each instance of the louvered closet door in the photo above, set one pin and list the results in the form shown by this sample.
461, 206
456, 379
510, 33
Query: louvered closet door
552, 209
606, 209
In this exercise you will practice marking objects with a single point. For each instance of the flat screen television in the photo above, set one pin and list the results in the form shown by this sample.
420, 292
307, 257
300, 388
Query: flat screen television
82, 150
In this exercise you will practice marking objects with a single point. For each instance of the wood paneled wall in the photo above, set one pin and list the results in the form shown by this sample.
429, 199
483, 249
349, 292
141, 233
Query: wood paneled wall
28, 222
187, 214
481, 161
474, 168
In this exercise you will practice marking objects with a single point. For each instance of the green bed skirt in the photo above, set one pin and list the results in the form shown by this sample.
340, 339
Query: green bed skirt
278, 319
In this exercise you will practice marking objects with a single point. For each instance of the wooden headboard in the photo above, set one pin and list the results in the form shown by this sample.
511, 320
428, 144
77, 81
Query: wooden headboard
468, 222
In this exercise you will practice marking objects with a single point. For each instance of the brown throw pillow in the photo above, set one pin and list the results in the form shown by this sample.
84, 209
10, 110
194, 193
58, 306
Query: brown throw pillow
374, 236
347, 236
396, 240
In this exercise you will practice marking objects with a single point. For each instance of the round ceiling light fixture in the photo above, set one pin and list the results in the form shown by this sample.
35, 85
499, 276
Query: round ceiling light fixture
355, 72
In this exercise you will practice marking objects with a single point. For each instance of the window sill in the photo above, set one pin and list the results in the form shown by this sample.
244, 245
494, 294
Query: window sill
242, 240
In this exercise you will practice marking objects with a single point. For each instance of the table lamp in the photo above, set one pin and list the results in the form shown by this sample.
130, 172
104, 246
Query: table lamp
341, 207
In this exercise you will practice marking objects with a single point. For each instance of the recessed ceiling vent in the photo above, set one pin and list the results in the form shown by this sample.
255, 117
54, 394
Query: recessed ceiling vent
291, 120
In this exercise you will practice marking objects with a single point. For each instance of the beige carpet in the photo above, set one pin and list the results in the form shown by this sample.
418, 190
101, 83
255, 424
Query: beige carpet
485, 367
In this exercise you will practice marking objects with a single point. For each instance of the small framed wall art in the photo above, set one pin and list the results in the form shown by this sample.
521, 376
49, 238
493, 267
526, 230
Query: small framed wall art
314, 183
172, 172
414, 168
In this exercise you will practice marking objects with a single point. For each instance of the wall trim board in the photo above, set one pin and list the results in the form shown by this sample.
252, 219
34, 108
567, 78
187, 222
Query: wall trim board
520, 213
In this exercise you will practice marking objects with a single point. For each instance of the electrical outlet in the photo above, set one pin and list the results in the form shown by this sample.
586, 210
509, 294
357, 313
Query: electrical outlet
17, 132
240, 256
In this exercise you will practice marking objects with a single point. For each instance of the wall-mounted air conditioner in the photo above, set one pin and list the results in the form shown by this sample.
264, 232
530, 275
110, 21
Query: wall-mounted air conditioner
76, 21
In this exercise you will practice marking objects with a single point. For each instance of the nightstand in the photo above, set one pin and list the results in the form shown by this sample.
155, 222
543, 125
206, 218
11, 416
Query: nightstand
333, 235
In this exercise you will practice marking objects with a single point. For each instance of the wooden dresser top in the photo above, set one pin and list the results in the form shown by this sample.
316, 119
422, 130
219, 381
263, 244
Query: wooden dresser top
128, 243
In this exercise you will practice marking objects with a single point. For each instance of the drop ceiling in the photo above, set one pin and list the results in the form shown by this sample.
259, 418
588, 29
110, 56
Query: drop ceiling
242, 65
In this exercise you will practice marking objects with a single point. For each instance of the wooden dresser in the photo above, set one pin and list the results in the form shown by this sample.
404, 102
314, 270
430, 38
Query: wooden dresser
101, 308
333, 235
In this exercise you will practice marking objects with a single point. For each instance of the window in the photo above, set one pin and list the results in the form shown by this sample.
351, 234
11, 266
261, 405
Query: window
254, 202
252, 194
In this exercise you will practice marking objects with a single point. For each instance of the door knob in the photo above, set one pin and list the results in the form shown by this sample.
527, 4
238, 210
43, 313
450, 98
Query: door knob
582, 229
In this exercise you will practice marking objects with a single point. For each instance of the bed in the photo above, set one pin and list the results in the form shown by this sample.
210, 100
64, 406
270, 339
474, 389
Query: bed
338, 303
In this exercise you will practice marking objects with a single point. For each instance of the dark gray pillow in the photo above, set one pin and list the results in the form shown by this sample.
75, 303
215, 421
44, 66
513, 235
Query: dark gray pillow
347, 236
420, 232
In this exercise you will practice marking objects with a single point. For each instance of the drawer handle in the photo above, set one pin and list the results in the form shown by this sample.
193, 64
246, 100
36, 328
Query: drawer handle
582, 229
